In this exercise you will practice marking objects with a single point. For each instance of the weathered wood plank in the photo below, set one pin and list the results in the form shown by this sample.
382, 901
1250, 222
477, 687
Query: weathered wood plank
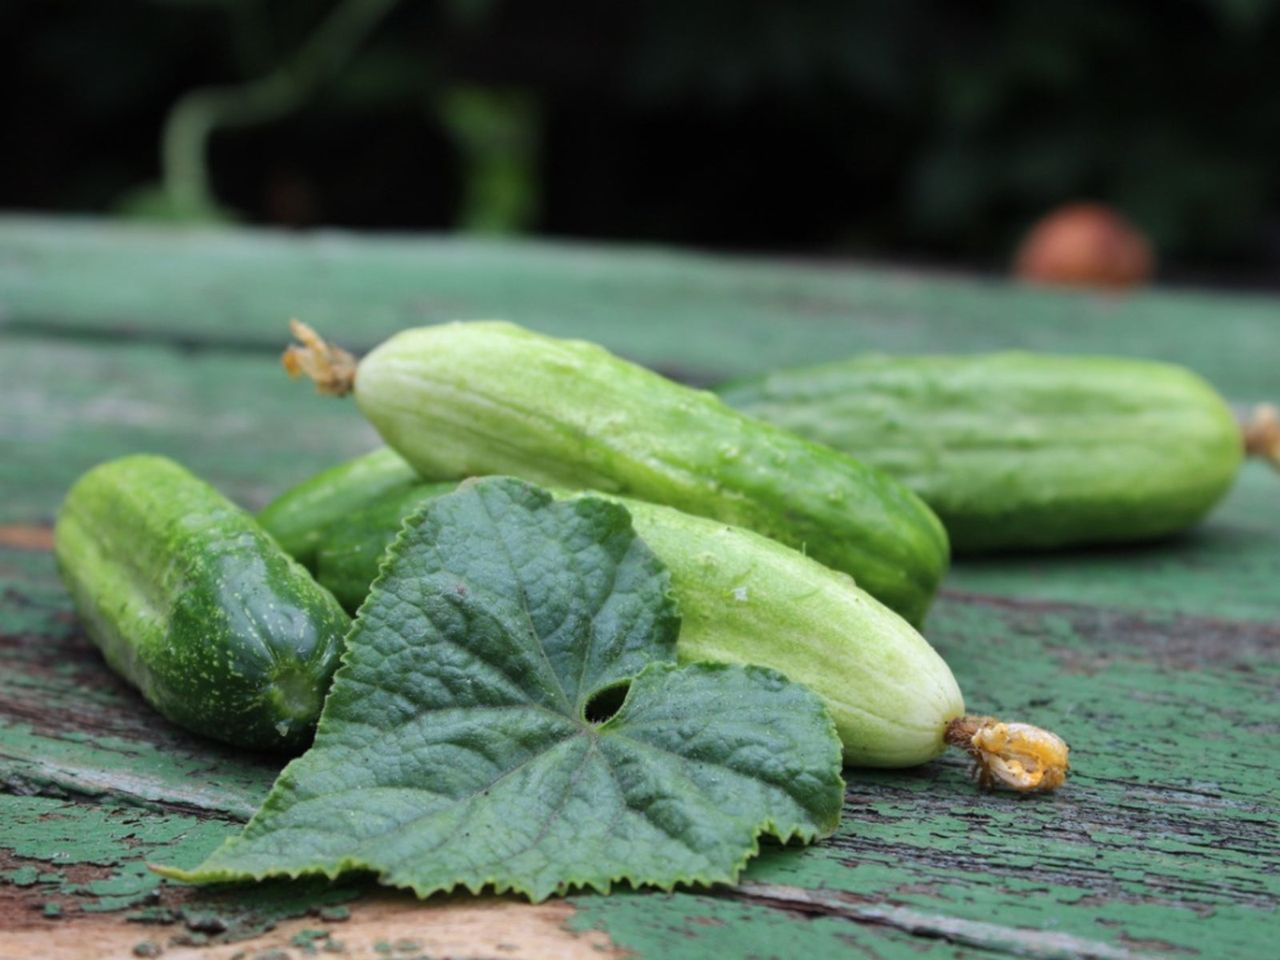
378, 926
1156, 831
1154, 839
67, 725
68, 406
1161, 665
709, 317
68, 869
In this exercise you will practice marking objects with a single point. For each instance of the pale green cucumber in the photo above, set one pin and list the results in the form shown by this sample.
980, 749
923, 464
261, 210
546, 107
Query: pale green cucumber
1020, 450
467, 399
744, 599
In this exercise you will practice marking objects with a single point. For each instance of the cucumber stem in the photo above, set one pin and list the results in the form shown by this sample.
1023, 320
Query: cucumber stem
1262, 433
1018, 755
332, 369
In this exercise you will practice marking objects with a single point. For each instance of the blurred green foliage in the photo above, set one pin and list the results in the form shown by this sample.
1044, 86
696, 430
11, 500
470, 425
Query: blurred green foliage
496, 134
919, 128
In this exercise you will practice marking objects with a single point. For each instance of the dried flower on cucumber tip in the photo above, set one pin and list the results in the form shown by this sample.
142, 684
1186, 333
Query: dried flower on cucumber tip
1017, 755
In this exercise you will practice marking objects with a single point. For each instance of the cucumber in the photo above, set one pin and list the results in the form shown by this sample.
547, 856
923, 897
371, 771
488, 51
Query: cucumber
745, 599
465, 399
1019, 450
196, 605
350, 549
298, 519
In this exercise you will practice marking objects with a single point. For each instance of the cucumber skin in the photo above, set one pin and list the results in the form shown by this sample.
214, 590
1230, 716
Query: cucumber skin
744, 599
469, 399
197, 606
1018, 450
351, 549
298, 518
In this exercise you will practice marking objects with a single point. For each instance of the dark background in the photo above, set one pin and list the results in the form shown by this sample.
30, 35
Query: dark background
920, 131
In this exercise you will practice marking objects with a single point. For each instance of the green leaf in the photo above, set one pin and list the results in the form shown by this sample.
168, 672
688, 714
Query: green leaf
462, 745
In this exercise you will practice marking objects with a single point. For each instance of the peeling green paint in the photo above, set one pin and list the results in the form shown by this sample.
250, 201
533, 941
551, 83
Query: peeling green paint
232, 913
114, 843
22, 877
1160, 665
1161, 836
130, 769
118, 838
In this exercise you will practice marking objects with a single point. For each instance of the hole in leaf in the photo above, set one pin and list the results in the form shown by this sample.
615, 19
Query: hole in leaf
605, 703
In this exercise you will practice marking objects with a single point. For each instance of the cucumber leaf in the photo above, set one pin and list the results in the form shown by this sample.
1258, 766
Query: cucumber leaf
473, 736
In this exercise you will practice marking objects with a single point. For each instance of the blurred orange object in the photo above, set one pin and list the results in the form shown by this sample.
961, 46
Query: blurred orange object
1085, 245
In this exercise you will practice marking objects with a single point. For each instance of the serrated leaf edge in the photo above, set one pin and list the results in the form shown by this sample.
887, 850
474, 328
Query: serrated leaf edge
498, 888
767, 827
764, 828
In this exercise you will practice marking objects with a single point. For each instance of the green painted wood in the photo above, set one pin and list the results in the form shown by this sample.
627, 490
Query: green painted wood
1153, 834
1160, 665
704, 316
73, 404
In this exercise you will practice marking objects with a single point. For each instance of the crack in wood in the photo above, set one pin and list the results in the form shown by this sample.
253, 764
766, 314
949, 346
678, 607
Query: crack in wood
1013, 941
1184, 837
1179, 640
32, 776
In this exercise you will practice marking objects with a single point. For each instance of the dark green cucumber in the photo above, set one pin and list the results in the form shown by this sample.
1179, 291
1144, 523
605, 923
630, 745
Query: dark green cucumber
196, 605
351, 548
297, 519
1019, 450
744, 599
466, 399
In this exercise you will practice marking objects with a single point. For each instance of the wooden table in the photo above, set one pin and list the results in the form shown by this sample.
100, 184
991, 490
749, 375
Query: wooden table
1158, 664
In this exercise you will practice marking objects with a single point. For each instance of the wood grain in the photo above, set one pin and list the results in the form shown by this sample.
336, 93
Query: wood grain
379, 925
1159, 664
703, 316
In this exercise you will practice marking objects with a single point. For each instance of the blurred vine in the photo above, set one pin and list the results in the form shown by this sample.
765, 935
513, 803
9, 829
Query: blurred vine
199, 113
496, 134
919, 129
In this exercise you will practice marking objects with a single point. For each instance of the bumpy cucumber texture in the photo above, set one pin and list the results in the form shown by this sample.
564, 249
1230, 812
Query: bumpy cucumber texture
196, 605
1018, 450
467, 399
